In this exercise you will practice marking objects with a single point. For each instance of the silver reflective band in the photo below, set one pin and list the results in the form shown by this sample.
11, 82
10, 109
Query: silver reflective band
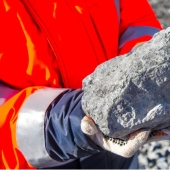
30, 127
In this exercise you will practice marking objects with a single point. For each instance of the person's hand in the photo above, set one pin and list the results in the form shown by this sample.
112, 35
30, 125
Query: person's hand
159, 135
117, 146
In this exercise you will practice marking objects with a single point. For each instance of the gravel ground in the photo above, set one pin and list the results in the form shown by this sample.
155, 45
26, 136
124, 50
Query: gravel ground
156, 155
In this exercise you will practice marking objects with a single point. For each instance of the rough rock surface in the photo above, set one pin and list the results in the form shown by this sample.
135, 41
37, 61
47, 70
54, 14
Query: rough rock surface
131, 91
150, 155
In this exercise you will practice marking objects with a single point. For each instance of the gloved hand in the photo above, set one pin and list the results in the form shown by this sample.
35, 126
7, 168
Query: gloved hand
117, 146
159, 135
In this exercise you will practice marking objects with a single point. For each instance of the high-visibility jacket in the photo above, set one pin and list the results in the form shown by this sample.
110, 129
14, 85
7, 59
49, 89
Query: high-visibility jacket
47, 47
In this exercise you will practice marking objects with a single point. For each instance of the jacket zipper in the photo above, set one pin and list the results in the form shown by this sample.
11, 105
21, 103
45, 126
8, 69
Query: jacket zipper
49, 38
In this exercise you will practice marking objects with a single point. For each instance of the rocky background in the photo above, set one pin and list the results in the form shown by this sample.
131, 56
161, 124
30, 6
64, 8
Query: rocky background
156, 155
162, 11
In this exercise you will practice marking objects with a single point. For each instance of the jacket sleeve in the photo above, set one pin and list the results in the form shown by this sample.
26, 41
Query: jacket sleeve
138, 23
41, 127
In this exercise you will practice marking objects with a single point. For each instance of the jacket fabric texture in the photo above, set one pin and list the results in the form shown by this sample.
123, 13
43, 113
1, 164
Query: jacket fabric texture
46, 49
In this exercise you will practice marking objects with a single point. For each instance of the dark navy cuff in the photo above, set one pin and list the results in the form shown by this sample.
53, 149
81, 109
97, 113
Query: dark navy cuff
63, 136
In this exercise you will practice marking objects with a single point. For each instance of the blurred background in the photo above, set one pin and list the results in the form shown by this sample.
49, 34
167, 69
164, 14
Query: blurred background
162, 11
156, 155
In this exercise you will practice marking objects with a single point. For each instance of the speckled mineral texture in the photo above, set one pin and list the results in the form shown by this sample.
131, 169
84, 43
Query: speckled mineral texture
131, 91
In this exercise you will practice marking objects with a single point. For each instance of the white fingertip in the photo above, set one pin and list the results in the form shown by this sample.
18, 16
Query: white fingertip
88, 127
134, 144
142, 136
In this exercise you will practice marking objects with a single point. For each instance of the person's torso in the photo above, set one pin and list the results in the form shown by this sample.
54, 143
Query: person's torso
46, 41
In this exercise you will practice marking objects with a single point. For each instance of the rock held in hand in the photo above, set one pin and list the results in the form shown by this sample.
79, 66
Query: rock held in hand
131, 91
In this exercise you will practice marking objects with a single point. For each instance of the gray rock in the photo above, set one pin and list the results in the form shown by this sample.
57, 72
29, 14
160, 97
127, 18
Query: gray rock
153, 156
143, 161
131, 91
161, 163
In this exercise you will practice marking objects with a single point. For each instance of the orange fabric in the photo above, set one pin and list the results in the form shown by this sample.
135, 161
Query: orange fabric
25, 56
74, 34
57, 43
135, 13
78, 32
10, 156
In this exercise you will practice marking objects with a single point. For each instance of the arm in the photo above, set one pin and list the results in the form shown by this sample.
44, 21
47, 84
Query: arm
42, 127
138, 24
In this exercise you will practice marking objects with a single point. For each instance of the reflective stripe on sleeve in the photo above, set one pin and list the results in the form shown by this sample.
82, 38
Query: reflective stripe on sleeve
30, 127
134, 32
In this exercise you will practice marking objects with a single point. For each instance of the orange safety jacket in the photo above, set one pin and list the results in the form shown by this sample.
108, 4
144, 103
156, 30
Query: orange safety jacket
57, 43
